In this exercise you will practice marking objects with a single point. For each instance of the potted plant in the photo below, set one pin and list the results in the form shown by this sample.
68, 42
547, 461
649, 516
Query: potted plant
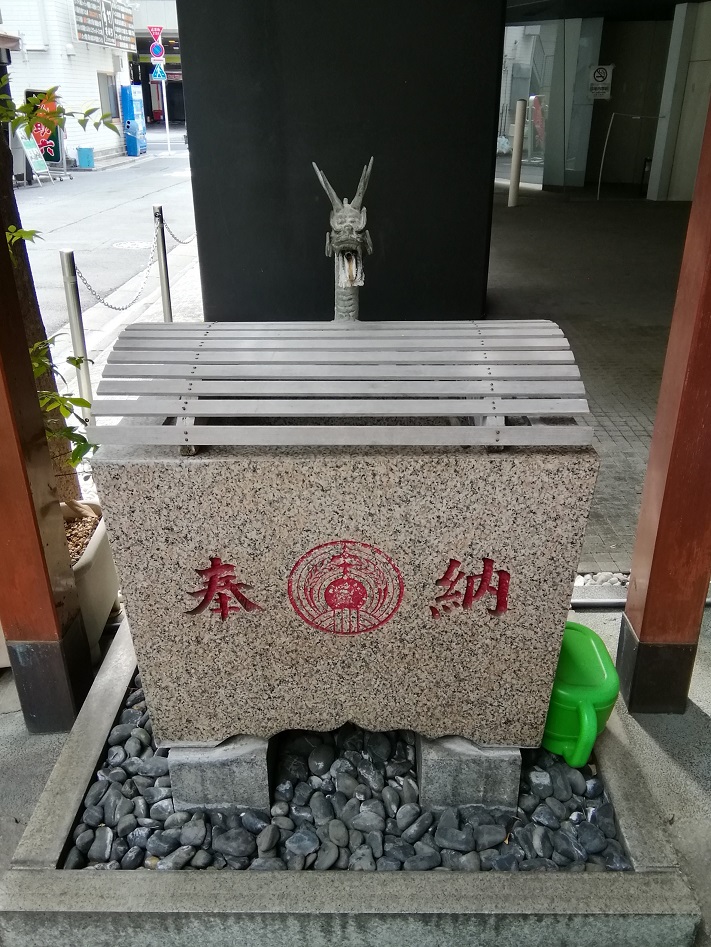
92, 563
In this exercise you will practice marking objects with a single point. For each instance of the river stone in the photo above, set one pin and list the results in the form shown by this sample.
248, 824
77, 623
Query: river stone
460, 841
561, 786
280, 809
616, 862
301, 814
568, 847
541, 842
238, 862
361, 860
161, 810
528, 802
155, 794
374, 840
84, 841
391, 801
303, 842
139, 837
387, 863
177, 859
540, 782
177, 819
267, 838
409, 791
253, 821
267, 864
593, 788
293, 861
93, 817
96, 793
133, 858
302, 793
338, 833
74, 860
163, 843
327, 856
505, 863
398, 849
557, 808
469, 862
350, 811
604, 818
371, 776
373, 805
194, 832
100, 850
153, 767
407, 814
488, 836
418, 828
575, 778
119, 734
377, 746
138, 733
321, 808
346, 784
201, 859
126, 825
284, 792
237, 843
422, 862
321, 758
544, 816
368, 822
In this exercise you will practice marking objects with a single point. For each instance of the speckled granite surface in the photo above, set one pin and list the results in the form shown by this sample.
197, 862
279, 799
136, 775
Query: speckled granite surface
469, 673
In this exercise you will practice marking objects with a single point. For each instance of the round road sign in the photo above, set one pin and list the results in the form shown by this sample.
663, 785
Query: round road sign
157, 50
600, 74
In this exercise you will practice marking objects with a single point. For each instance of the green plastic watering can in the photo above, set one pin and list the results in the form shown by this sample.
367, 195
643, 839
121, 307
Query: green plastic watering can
585, 689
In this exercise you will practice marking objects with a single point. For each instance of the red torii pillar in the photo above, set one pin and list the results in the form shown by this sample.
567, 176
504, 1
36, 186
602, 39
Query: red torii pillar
39, 608
671, 564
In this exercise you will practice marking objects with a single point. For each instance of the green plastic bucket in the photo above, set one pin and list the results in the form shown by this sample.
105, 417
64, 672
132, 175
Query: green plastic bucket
585, 689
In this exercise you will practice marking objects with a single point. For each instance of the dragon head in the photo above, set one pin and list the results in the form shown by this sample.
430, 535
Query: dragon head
348, 236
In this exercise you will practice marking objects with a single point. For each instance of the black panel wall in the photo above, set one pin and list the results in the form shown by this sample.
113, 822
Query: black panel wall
272, 85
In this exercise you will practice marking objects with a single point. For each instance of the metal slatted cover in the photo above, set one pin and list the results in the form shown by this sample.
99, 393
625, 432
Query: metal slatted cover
458, 382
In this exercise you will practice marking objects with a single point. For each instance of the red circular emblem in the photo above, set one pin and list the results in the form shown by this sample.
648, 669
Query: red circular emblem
345, 587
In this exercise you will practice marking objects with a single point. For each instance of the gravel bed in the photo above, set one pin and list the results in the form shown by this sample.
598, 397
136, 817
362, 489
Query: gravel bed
344, 800
603, 578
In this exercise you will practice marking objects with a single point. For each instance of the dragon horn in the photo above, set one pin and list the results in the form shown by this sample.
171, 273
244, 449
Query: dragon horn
333, 197
357, 202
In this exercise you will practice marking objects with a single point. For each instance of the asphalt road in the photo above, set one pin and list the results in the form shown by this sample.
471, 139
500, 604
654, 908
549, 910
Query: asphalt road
106, 217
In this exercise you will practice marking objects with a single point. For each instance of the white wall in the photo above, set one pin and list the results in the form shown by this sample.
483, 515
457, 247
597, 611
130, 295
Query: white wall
155, 13
48, 32
697, 94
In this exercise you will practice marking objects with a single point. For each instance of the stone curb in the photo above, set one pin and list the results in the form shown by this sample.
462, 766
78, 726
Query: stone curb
43, 840
40, 905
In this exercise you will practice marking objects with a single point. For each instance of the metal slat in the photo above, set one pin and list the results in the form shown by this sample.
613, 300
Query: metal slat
338, 407
344, 436
164, 388
342, 357
169, 328
385, 345
493, 333
361, 372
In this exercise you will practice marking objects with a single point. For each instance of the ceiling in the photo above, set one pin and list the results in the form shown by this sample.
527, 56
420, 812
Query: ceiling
524, 11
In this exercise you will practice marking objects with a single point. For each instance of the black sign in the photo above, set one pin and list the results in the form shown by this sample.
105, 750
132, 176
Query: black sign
105, 23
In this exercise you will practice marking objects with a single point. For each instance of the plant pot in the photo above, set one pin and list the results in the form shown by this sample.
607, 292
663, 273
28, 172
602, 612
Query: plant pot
96, 580
97, 585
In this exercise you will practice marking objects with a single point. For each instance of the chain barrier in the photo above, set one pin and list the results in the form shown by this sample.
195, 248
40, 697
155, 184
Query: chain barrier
146, 273
184, 242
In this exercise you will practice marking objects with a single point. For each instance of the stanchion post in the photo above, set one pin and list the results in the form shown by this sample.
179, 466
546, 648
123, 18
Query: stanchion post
163, 263
517, 152
76, 325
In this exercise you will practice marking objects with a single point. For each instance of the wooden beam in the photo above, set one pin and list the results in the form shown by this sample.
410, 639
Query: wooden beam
671, 564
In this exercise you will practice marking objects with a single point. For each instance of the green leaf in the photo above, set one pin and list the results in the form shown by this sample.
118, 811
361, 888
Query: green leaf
64, 411
79, 402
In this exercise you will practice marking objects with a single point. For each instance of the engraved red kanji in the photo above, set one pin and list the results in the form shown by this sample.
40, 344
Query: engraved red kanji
221, 584
461, 590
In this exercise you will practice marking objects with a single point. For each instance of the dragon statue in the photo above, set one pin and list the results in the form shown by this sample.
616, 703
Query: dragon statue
346, 242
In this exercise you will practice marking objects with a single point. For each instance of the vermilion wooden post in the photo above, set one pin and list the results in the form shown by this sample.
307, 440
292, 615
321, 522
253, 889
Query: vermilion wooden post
39, 610
671, 564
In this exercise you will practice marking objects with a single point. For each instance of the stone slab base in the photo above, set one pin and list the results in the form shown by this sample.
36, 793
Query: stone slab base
228, 776
652, 907
455, 772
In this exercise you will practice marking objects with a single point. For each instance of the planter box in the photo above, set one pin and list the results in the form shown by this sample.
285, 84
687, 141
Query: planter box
97, 585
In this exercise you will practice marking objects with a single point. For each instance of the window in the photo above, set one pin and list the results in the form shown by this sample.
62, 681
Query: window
107, 94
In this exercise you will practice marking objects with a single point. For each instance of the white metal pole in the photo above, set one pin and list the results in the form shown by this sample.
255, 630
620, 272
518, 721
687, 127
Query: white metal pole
76, 325
165, 114
517, 152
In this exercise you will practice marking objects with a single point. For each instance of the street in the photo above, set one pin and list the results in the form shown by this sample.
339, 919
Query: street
106, 218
